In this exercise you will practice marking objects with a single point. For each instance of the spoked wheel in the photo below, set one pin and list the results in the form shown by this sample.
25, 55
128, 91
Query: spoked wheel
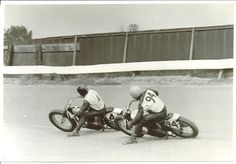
64, 124
187, 128
120, 122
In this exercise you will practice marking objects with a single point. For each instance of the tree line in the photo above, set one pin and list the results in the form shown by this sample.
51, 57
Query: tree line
17, 34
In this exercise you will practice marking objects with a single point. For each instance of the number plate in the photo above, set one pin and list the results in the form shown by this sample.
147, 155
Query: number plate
111, 116
172, 122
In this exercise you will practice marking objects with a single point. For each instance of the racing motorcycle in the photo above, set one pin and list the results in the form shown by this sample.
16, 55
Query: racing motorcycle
66, 120
174, 124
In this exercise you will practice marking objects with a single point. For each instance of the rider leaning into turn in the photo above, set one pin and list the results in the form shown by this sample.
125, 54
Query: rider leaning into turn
150, 109
93, 105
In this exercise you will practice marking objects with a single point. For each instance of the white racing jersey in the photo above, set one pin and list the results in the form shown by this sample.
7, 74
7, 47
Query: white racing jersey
151, 101
94, 100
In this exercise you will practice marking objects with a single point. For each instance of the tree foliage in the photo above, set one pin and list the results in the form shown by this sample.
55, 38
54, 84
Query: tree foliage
133, 27
16, 34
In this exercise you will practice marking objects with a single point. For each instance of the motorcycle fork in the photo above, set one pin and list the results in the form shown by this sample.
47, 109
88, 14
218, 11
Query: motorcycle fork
67, 114
63, 117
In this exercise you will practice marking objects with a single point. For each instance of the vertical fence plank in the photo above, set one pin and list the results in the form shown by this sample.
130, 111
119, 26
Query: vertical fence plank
192, 44
5, 57
10, 54
75, 51
39, 55
150, 47
220, 74
125, 47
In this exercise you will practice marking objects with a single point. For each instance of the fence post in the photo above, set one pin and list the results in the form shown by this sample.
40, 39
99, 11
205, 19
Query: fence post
192, 44
39, 55
75, 51
125, 48
10, 54
191, 49
220, 74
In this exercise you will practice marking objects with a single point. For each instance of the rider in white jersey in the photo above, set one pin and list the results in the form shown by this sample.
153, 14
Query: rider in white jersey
93, 105
151, 109
151, 102
94, 100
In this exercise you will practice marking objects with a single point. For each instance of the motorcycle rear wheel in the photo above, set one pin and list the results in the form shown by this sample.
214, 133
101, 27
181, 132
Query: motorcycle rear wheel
55, 118
189, 125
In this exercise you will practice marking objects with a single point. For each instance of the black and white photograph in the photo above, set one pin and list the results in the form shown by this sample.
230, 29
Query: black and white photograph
117, 81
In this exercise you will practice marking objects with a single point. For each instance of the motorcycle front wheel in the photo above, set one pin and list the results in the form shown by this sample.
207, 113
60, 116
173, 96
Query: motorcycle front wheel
187, 129
60, 122
120, 122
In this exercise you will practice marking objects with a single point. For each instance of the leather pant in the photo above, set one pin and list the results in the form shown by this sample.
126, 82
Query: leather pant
148, 119
90, 114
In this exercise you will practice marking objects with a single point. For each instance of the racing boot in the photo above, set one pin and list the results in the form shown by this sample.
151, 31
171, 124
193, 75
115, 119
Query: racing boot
132, 140
73, 134
77, 129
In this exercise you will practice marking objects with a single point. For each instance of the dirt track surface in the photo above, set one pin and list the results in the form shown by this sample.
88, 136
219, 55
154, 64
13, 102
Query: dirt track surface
29, 136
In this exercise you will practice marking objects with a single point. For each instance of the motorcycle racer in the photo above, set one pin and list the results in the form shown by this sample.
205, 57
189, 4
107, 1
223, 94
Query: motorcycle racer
150, 109
93, 105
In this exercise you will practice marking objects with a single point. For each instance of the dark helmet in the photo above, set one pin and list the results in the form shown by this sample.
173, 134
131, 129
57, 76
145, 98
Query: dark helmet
82, 90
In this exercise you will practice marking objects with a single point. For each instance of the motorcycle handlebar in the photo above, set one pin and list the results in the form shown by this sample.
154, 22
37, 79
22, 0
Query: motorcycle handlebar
131, 102
71, 99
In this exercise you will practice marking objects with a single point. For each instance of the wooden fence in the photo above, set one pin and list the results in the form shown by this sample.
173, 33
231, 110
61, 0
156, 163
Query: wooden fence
199, 43
42, 54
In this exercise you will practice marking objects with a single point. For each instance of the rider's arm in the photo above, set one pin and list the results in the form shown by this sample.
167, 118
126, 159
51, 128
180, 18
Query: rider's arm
84, 107
138, 116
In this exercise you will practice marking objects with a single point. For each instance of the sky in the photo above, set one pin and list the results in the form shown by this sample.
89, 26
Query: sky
61, 20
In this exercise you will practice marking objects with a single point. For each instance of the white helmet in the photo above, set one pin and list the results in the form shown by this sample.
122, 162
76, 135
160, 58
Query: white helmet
135, 91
